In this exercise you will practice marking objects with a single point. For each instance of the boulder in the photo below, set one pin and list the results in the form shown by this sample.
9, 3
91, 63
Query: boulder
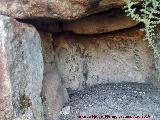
100, 23
157, 59
64, 9
86, 60
53, 93
21, 71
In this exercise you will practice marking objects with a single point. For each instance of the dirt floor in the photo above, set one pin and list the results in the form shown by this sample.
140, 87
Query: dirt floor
114, 100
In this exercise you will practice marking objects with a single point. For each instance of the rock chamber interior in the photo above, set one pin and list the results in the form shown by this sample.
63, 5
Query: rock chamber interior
101, 49
65, 64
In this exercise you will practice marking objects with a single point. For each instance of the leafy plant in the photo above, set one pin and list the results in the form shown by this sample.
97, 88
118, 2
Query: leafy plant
149, 14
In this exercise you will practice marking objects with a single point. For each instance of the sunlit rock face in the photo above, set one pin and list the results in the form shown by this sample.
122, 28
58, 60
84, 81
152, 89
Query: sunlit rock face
21, 73
64, 9
110, 58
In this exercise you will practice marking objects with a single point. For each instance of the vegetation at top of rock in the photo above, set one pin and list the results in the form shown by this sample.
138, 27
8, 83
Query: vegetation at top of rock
149, 14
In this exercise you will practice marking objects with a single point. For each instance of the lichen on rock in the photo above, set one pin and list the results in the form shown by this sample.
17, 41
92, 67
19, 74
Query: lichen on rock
23, 70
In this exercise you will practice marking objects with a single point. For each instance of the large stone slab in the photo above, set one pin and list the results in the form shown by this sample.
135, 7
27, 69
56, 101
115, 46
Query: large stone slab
53, 93
108, 21
157, 60
6, 108
21, 65
65, 9
86, 60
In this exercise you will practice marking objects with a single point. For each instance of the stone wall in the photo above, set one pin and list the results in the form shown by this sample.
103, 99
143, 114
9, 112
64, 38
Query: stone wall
115, 57
21, 70
71, 45
54, 94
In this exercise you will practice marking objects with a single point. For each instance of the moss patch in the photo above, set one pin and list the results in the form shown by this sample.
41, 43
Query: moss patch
24, 102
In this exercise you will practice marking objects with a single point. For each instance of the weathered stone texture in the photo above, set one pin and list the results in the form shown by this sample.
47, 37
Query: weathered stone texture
6, 109
64, 9
47, 50
157, 60
108, 21
53, 92
21, 72
115, 57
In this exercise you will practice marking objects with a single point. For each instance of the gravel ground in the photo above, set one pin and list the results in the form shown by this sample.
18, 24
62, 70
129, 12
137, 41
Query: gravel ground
125, 99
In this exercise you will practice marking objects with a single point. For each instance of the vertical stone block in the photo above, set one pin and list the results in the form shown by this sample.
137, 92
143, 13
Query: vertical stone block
21, 71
